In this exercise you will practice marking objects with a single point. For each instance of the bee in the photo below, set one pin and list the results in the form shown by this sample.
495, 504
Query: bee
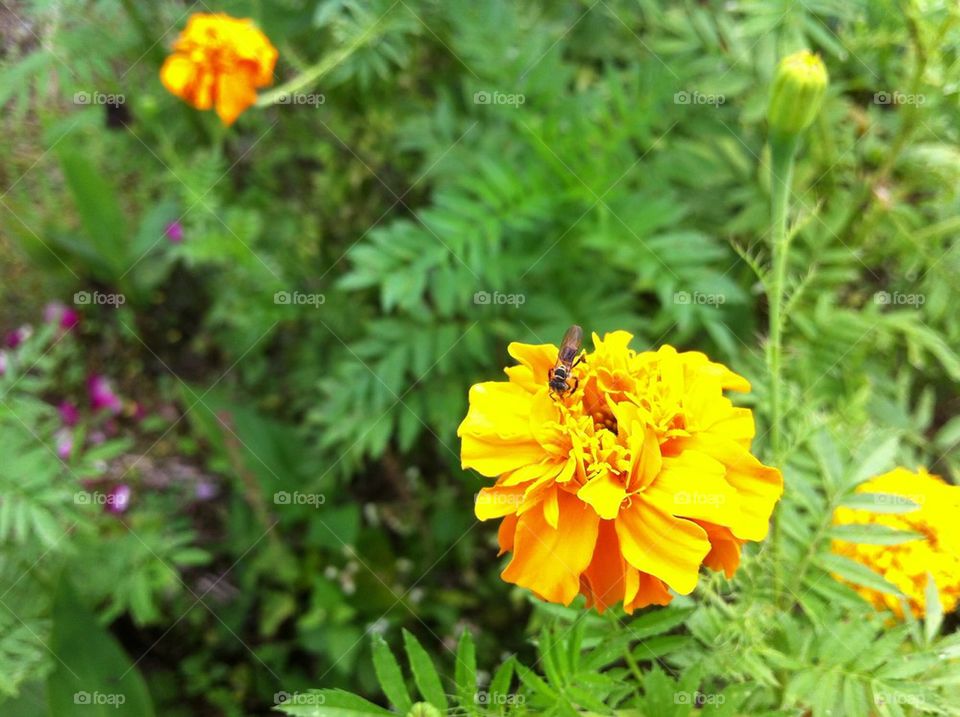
569, 356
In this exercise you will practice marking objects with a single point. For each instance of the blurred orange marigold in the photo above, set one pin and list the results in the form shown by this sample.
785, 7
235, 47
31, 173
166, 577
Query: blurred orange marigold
622, 488
218, 61
908, 565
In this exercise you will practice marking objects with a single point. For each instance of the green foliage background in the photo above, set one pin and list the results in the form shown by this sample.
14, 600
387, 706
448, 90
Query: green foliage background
632, 175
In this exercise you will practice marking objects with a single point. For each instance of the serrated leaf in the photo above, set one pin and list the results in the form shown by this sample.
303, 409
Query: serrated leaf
424, 672
856, 573
933, 609
877, 461
389, 675
880, 503
657, 622
465, 672
333, 703
871, 534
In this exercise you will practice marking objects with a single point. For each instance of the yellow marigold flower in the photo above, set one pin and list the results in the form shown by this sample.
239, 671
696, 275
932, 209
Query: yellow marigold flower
907, 565
218, 61
622, 488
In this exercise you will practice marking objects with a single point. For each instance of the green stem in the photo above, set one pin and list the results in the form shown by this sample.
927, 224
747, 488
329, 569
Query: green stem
781, 174
309, 76
782, 150
627, 656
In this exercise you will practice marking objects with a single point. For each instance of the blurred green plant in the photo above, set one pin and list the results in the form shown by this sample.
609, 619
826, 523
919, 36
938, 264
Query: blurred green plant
594, 163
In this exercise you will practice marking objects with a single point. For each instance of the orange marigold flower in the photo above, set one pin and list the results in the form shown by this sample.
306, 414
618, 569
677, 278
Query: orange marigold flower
909, 565
218, 61
622, 488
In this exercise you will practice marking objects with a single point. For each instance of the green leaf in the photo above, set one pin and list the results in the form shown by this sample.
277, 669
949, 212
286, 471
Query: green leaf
93, 675
876, 461
933, 609
658, 621
856, 573
549, 659
465, 671
537, 684
869, 534
99, 212
389, 675
500, 684
424, 672
333, 703
880, 503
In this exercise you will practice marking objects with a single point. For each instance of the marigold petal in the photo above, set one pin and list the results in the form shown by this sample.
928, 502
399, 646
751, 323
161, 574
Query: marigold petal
605, 492
496, 436
650, 591
234, 95
505, 533
668, 548
758, 487
551, 507
605, 577
536, 360
178, 74
498, 501
693, 485
724, 549
548, 560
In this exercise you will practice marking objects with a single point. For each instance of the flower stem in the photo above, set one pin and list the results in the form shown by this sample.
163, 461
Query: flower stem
313, 73
782, 149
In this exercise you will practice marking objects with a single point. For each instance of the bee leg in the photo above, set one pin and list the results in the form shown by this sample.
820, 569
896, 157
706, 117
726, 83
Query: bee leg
582, 358
576, 382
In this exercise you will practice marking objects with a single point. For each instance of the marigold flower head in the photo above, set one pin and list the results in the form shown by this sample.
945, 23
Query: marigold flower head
219, 61
622, 488
908, 565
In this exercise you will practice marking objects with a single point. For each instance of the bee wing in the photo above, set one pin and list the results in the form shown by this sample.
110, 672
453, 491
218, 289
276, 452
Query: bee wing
570, 345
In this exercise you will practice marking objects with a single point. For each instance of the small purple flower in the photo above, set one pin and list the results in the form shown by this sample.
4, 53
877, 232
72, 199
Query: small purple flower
102, 395
68, 413
174, 232
206, 490
58, 313
118, 499
18, 336
64, 438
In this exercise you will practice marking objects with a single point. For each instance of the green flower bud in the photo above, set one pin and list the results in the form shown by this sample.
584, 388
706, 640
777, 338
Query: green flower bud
797, 93
423, 709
